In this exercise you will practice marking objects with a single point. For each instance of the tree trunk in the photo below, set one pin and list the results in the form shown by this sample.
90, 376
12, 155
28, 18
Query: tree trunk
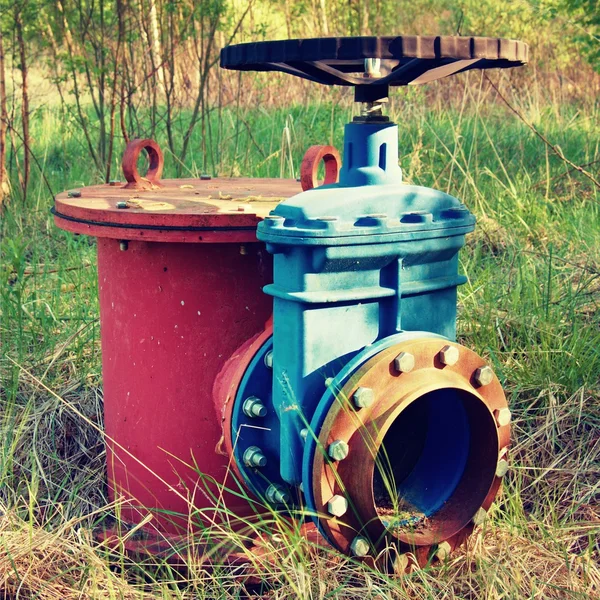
4, 183
24, 96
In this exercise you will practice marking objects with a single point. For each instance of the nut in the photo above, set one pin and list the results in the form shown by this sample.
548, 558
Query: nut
501, 468
121, 204
269, 359
328, 381
484, 375
123, 245
277, 494
253, 407
479, 517
503, 416
253, 457
404, 362
74, 194
359, 546
114, 182
443, 551
304, 433
449, 355
363, 397
337, 506
338, 450
205, 177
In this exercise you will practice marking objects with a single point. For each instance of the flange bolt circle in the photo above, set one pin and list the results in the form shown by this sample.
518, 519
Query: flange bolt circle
277, 494
449, 355
484, 375
404, 362
338, 450
502, 416
363, 397
253, 457
337, 506
253, 407
359, 546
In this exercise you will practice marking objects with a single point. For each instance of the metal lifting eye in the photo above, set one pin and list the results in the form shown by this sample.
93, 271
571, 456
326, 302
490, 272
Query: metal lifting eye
310, 166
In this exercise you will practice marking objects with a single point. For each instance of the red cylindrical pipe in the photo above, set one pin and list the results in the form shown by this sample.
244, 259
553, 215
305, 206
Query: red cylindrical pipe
171, 315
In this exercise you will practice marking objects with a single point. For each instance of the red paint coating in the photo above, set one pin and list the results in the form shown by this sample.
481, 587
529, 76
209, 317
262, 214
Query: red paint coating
310, 166
171, 316
155, 167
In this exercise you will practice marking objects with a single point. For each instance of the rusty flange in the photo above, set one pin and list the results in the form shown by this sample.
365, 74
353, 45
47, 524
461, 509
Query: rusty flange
398, 377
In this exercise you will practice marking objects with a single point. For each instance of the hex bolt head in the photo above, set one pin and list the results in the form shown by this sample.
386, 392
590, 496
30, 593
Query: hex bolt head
502, 468
253, 457
363, 397
502, 416
269, 359
253, 407
360, 546
121, 204
443, 551
328, 381
449, 355
304, 433
205, 177
74, 194
123, 245
338, 450
479, 517
337, 506
277, 494
484, 375
114, 182
404, 362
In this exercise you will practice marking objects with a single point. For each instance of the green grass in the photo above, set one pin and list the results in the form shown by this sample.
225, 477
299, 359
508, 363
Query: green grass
530, 306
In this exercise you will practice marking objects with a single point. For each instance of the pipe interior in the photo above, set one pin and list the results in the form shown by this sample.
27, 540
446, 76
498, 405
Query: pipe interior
438, 458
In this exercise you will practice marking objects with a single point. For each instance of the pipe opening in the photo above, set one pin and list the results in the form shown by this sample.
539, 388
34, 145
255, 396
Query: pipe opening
435, 466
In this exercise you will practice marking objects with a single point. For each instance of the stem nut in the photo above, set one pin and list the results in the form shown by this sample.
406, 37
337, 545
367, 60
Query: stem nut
338, 450
363, 397
479, 517
443, 551
484, 375
253, 407
360, 546
253, 457
277, 494
501, 468
449, 355
337, 506
404, 362
503, 416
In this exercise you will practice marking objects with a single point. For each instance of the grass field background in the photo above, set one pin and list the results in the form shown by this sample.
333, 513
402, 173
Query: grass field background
530, 307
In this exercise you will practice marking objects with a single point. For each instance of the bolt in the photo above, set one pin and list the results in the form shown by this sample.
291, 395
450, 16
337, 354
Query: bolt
404, 362
338, 450
328, 381
269, 359
114, 182
479, 517
74, 194
502, 416
401, 563
123, 245
484, 375
277, 494
205, 177
121, 204
443, 551
253, 457
304, 433
363, 397
501, 468
243, 250
253, 407
337, 506
449, 355
359, 546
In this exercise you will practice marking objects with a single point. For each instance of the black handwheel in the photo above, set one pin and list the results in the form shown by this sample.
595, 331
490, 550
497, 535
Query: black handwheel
400, 60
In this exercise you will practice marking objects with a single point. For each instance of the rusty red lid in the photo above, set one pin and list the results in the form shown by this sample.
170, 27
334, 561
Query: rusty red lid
174, 210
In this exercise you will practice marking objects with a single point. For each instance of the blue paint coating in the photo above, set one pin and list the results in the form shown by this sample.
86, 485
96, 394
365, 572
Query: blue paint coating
355, 262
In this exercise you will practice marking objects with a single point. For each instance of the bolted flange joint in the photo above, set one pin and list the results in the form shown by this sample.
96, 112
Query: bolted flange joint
277, 494
253, 407
254, 457
338, 450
